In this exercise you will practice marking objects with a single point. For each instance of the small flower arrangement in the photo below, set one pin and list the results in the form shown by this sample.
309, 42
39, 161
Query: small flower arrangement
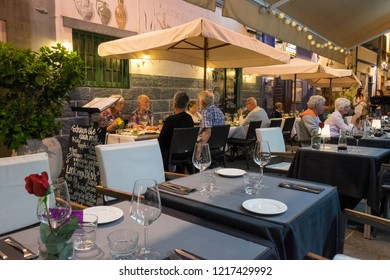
57, 226
119, 123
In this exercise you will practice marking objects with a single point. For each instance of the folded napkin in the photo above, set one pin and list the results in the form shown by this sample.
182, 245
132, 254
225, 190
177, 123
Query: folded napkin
174, 188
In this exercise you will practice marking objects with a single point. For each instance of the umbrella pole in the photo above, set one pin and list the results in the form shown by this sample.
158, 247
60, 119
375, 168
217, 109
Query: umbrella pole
295, 94
205, 47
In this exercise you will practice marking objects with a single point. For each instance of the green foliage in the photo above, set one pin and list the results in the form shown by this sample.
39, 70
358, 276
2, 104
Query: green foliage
34, 87
350, 93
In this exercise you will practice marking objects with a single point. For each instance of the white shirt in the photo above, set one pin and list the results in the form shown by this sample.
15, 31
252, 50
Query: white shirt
336, 123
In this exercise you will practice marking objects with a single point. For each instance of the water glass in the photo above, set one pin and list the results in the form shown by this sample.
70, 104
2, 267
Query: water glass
123, 244
84, 237
208, 182
252, 184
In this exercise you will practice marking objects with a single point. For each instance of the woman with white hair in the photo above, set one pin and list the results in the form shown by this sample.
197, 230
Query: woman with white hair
108, 117
336, 119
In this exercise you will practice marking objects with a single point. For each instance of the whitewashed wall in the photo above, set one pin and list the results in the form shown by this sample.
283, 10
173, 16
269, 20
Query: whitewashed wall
144, 16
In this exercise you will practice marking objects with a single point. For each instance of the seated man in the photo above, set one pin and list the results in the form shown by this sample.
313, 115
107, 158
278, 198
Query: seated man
180, 119
142, 116
309, 124
255, 114
211, 115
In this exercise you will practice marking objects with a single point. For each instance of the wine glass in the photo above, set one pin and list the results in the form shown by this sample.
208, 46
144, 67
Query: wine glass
357, 133
201, 158
144, 120
56, 209
145, 208
262, 156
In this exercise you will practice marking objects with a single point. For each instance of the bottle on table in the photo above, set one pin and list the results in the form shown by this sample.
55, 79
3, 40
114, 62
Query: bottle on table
342, 143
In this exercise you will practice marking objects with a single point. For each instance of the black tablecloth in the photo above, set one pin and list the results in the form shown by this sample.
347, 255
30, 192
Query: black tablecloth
309, 224
354, 174
374, 142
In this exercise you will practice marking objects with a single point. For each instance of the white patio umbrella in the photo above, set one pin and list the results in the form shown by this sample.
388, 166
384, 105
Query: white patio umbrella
200, 42
314, 73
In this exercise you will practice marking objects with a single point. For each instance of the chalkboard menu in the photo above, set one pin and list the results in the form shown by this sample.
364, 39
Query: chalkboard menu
81, 167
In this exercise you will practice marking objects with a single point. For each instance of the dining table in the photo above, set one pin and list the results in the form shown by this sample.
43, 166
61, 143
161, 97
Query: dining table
309, 222
130, 136
354, 173
366, 141
171, 230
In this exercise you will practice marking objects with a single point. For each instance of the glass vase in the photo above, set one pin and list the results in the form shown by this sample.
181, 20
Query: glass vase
55, 249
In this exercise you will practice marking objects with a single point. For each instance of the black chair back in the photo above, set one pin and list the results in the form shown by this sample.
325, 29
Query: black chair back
288, 124
219, 136
251, 134
276, 122
183, 140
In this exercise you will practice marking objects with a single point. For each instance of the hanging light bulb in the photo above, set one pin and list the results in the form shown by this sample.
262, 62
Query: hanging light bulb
309, 37
293, 24
318, 45
281, 15
299, 28
305, 29
312, 42
287, 21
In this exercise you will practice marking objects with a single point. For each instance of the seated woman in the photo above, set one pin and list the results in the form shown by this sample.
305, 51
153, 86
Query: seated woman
193, 111
336, 119
360, 106
107, 118
278, 111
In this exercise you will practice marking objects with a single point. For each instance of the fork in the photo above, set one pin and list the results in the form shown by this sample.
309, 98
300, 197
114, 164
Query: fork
3, 256
174, 256
27, 254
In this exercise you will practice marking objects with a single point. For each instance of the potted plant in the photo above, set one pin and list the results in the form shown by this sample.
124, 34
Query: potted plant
34, 87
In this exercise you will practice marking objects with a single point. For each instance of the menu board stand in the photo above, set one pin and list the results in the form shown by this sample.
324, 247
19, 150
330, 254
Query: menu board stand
96, 105
81, 168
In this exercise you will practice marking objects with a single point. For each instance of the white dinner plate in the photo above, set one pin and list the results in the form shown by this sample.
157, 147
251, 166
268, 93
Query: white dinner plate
106, 214
265, 206
230, 172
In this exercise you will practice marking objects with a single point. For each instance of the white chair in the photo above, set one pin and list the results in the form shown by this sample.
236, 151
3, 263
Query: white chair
275, 138
17, 206
120, 165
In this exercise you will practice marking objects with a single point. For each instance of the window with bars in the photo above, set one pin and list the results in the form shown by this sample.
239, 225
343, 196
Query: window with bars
99, 71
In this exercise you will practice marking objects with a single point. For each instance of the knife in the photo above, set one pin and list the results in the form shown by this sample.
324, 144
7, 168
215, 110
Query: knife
187, 254
303, 188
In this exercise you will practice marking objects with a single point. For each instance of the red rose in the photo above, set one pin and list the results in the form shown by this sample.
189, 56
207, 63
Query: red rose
321, 125
37, 184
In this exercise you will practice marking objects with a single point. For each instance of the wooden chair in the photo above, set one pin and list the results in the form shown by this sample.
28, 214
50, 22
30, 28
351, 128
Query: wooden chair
182, 147
217, 143
281, 161
120, 165
384, 181
246, 144
357, 217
